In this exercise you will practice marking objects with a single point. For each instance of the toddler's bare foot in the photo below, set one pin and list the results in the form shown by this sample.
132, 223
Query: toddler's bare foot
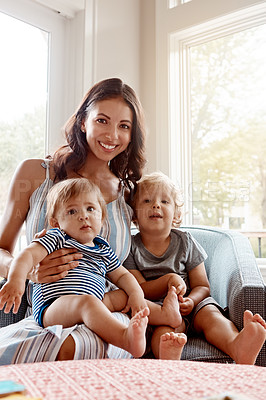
170, 313
135, 333
171, 345
250, 340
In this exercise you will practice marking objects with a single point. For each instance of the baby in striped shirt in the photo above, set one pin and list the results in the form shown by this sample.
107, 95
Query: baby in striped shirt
75, 211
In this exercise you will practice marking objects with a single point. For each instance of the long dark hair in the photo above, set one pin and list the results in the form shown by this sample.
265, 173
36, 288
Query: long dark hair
128, 165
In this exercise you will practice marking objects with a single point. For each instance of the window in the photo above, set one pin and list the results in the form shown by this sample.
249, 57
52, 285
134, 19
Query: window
23, 96
218, 122
34, 65
175, 3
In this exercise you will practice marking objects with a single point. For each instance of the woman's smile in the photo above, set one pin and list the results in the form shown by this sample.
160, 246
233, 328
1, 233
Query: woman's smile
108, 128
108, 146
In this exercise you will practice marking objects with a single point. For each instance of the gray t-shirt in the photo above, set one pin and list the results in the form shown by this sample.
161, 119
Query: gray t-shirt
183, 254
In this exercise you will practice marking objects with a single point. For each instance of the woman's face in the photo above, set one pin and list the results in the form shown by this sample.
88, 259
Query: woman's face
108, 128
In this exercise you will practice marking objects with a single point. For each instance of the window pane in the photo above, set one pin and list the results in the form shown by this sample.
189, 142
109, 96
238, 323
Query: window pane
23, 96
175, 3
228, 111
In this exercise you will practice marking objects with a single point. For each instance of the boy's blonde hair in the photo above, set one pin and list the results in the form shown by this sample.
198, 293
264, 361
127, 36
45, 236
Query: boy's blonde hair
62, 191
156, 179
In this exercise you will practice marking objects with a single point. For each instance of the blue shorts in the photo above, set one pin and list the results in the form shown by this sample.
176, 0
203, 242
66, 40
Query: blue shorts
39, 317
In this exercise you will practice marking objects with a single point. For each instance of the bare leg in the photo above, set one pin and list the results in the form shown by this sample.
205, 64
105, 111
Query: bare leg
115, 300
71, 310
67, 350
243, 347
168, 313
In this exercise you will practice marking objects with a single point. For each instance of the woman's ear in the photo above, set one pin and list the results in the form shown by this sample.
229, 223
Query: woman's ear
83, 127
54, 223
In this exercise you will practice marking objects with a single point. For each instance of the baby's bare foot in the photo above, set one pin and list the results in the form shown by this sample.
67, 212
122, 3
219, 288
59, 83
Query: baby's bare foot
170, 309
250, 340
171, 345
136, 333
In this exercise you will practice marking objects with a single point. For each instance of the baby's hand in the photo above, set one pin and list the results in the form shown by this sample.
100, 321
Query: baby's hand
176, 281
10, 295
136, 303
186, 305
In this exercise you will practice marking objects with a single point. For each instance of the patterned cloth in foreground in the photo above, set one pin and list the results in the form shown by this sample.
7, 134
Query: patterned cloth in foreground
137, 379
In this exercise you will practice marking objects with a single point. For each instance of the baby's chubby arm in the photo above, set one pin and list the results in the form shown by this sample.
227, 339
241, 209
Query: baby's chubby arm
12, 291
122, 278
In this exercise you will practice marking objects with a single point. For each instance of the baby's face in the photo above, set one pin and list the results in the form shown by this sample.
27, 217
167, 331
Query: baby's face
155, 210
80, 217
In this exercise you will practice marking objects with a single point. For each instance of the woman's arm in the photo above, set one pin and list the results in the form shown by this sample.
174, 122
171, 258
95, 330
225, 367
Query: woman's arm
28, 177
22, 186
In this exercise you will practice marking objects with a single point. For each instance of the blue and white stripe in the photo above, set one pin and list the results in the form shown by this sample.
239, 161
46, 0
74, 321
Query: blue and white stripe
87, 278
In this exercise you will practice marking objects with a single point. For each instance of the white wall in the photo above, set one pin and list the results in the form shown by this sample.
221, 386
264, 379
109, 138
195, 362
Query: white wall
120, 41
112, 41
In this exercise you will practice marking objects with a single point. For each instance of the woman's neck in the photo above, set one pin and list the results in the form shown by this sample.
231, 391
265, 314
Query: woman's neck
98, 171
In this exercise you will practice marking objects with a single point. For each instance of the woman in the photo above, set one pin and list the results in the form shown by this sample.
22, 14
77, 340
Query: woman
104, 143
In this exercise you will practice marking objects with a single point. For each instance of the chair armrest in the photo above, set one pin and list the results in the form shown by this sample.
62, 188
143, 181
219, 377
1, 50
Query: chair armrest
234, 276
10, 318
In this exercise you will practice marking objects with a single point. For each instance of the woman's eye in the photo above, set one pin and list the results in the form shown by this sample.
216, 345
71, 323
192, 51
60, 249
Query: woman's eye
125, 126
101, 121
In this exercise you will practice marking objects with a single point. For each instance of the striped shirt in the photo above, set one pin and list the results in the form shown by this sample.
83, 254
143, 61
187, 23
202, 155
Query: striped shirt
87, 278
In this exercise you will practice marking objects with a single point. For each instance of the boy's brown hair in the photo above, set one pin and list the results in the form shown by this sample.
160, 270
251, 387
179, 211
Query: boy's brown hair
62, 191
154, 180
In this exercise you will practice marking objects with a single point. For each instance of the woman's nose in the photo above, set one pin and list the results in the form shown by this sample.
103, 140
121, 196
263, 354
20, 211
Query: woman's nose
112, 133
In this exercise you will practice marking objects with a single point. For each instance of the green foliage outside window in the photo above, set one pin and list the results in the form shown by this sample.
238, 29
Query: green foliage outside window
19, 140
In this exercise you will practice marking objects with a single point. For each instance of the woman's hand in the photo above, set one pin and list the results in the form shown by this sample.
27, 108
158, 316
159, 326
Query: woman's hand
56, 265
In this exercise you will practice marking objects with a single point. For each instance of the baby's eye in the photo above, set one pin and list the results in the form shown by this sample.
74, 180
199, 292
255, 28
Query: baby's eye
90, 208
72, 211
165, 201
147, 201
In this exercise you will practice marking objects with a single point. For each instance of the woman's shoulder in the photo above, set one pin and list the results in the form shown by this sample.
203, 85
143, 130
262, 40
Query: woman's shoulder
30, 174
34, 169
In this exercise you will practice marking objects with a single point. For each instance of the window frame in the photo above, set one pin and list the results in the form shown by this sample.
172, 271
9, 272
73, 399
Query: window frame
180, 157
62, 98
